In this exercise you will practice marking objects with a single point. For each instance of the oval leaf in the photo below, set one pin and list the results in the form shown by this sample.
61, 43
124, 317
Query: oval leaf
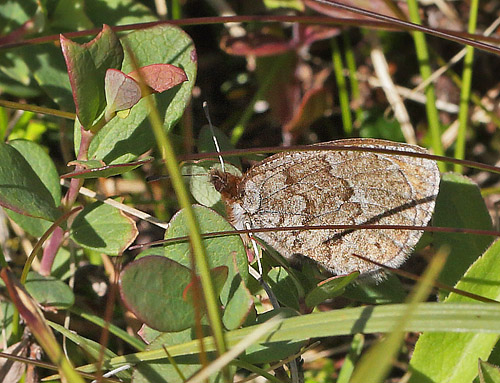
21, 189
223, 251
103, 228
44, 167
152, 288
49, 291
160, 77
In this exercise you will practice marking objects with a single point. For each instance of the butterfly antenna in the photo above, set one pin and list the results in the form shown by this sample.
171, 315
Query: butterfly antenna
216, 142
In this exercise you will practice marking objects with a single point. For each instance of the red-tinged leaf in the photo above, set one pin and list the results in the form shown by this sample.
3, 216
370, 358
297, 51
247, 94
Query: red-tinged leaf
219, 277
285, 92
255, 44
122, 91
313, 106
84, 83
33, 25
308, 34
223, 251
152, 288
97, 168
160, 77
122, 141
87, 65
378, 6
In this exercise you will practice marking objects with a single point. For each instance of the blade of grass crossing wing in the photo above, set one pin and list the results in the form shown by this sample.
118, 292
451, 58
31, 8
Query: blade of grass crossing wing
377, 362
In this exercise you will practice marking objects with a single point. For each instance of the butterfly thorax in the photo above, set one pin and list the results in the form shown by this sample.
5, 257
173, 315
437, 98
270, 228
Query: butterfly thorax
232, 191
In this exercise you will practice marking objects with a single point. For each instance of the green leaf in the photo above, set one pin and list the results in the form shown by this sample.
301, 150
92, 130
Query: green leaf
48, 68
488, 373
14, 14
223, 251
87, 65
329, 288
70, 15
21, 189
49, 291
118, 12
152, 288
283, 287
121, 141
459, 204
16, 77
103, 228
45, 169
97, 169
452, 357
389, 290
42, 164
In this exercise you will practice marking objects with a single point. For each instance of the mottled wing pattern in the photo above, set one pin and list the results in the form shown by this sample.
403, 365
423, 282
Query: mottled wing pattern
342, 187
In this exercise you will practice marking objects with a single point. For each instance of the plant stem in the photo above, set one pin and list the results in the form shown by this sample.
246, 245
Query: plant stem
465, 90
55, 241
425, 71
338, 69
351, 66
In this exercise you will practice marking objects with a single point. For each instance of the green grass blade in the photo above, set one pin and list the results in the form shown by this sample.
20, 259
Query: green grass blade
465, 90
338, 69
425, 70
432, 317
376, 363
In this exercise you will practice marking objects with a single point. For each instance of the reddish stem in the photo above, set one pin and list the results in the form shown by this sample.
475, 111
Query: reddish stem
50, 251
55, 240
